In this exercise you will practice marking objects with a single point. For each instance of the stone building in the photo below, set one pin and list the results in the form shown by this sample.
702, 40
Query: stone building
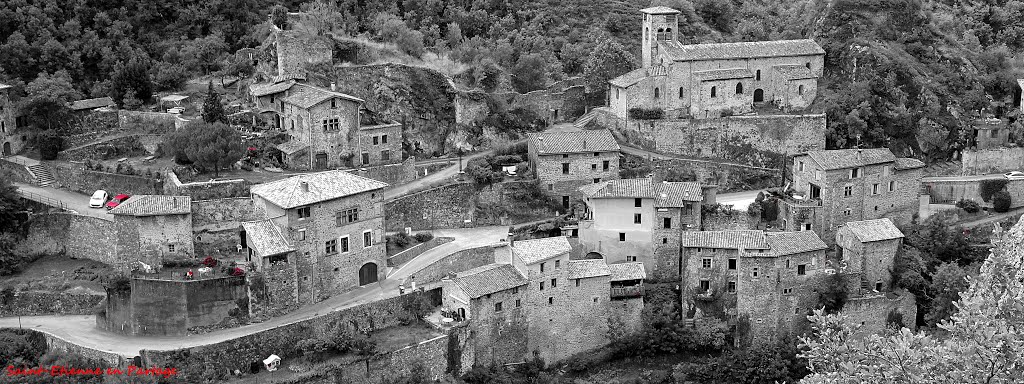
537, 302
867, 249
834, 187
989, 133
639, 220
328, 227
153, 228
762, 276
290, 52
711, 80
565, 161
11, 141
379, 144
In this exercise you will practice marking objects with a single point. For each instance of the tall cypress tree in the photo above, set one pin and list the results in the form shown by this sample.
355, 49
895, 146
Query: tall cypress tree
213, 111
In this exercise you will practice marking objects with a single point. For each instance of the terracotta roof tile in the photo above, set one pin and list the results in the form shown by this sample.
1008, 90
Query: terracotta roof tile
537, 250
574, 142
307, 96
666, 194
659, 10
263, 89
874, 230
265, 238
153, 205
627, 271
790, 243
100, 102
582, 269
489, 279
850, 158
322, 186
908, 163
746, 50
724, 239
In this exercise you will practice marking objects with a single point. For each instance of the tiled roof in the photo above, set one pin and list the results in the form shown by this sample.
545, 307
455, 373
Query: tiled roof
666, 194
874, 230
584, 141
747, 50
627, 271
91, 103
263, 89
908, 163
1020, 83
790, 243
322, 186
489, 279
629, 78
290, 147
288, 76
723, 74
794, 72
173, 98
582, 269
379, 126
152, 205
850, 158
537, 250
724, 239
266, 238
659, 10
308, 96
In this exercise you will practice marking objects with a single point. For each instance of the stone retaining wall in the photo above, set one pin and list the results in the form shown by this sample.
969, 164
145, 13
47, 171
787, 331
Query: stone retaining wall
458, 262
870, 313
205, 190
998, 160
170, 308
447, 206
74, 177
56, 344
17, 172
416, 250
949, 192
76, 236
51, 303
216, 223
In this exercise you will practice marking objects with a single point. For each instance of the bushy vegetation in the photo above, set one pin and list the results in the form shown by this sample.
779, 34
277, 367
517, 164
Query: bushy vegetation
337, 341
774, 364
210, 146
968, 205
638, 113
989, 187
1001, 201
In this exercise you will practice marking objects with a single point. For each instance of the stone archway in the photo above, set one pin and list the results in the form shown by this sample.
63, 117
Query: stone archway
758, 95
7, 149
368, 274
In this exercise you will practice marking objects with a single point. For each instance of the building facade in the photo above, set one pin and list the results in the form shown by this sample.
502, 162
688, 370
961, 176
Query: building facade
867, 250
712, 80
328, 227
378, 144
153, 228
989, 133
565, 161
11, 140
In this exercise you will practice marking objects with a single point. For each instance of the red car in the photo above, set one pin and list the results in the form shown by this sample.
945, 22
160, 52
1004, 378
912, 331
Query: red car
117, 200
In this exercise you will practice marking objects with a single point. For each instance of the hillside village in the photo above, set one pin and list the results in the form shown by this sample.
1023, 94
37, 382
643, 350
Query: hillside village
305, 221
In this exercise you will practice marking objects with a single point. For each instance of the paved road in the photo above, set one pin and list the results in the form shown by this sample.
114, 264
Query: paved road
739, 200
962, 178
436, 177
82, 330
73, 200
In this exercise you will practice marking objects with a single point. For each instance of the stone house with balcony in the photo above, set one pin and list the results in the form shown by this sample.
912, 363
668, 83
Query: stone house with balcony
565, 161
761, 276
834, 187
703, 80
11, 141
867, 250
539, 301
639, 220
153, 228
326, 227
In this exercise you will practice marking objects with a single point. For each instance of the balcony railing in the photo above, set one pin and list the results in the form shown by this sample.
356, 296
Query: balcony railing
626, 292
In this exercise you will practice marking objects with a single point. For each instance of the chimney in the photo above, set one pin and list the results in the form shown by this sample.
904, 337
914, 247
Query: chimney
859, 153
304, 185
334, 87
511, 238
584, 144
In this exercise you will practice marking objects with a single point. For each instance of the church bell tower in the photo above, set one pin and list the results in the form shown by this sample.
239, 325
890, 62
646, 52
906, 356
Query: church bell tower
659, 24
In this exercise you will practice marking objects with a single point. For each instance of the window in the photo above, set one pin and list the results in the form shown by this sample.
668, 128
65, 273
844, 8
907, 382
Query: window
554, 283
366, 158
638, 203
597, 180
847, 212
541, 267
878, 286
170, 247
667, 223
787, 264
384, 139
808, 65
699, 250
334, 103
786, 291
892, 186
515, 290
739, 88
636, 218
303, 213
807, 226
593, 167
596, 154
732, 263
331, 247
753, 272
631, 258
367, 239
994, 133
800, 90
757, 75
557, 263
848, 191
565, 156
375, 140
542, 286
655, 92
616, 93
551, 187
688, 209
565, 201
622, 236
346, 216
664, 240
332, 124
604, 165
344, 244
519, 303
680, 92
497, 307
551, 300
801, 269
705, 285
874, 189
565, 168
801, 166
713, 89
385, 155
302, 234
577, 282
732, 287
705, 263
855, 173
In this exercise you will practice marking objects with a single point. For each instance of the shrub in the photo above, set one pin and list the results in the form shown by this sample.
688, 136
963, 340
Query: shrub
638, 113
187, 263
236, 272
50, 144
315, 349
832, 293
209, 261
400, 240
1001, 201
969, 206
424, 237
988, 188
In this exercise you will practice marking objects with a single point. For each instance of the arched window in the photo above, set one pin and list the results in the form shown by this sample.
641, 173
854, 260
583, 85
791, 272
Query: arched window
739, 88
646, 32
757, 76
680, 92
668, 34
655, 92
713, 91
616, 93
800, 90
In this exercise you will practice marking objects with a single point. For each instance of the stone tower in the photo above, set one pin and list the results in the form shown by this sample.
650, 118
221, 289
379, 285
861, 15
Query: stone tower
659, 24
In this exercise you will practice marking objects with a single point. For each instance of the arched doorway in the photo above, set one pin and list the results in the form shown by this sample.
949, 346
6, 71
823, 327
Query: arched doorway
462, 314
7, 149
758, 95
368, 274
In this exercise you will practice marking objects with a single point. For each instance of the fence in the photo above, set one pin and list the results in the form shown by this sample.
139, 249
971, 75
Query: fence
45, 200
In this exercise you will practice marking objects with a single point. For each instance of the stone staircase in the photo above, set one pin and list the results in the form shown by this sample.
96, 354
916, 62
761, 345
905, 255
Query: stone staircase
42, 174
585, 119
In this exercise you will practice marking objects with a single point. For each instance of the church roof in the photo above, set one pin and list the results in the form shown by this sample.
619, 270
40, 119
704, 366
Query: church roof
723, 74
850, 158
659, 10
629, 78
745, 50
584, 141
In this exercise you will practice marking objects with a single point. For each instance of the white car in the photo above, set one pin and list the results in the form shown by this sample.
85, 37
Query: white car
98, 199
1015, 175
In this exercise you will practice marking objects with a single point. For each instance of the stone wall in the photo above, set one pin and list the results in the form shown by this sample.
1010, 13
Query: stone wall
150, 122
115, 148
239, 352
996, 160
56, 344
296, 50
416, 250
457, 262
728, 177
76, 236
51, 303
738, 220
17, 172
949, 192
171, 307
447, 206
216, 223
870, 312
394, 174
74, 177
205, 190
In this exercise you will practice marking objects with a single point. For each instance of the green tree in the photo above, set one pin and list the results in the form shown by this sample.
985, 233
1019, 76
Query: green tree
279, 16
45, 114
607, 61
10, 203
320, 17
57, 86
832, 292
213, 110
529, 73
50, 144
948, 281
213, 145
1001, 201
133, 76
